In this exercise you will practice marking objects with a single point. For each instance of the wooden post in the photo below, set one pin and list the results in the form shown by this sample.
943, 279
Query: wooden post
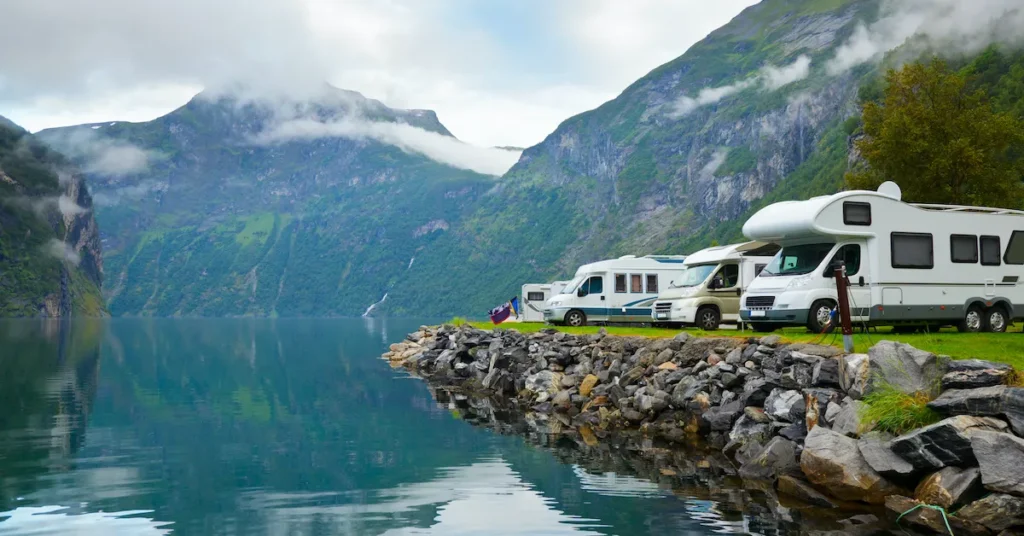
844, 305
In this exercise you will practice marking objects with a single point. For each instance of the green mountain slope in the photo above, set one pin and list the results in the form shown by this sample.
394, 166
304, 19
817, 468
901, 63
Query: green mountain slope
50, 261
221, 225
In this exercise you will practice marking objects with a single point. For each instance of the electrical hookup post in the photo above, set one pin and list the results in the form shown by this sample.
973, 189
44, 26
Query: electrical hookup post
842, 292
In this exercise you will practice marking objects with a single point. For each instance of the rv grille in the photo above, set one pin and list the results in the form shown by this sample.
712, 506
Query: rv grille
664, 306
760, 302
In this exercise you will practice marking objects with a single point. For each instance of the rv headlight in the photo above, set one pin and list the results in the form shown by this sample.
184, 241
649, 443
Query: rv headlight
554, 303
800, 282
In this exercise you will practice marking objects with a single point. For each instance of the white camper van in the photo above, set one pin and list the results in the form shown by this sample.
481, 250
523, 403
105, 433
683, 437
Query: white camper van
535, 295
708, 292
931, 265
618, 290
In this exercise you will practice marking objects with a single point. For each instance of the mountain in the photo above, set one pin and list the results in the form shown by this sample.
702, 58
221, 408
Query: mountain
50, 258
230, 207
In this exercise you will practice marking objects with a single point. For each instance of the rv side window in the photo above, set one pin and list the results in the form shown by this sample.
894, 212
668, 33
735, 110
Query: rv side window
856, 213
912, 250
730, 275
620, 283
850, 255
963, 248
534, 296
758, 268
652, 283
990, 251
1015, 249
636, 283
594, 285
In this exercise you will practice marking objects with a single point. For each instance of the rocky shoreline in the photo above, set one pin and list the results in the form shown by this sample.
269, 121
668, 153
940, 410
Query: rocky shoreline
786, 418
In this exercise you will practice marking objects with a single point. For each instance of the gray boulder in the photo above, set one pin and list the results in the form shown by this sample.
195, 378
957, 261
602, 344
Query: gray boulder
996, 511
950, 487
785, 405
848, 422
905, 368
1013, 409
854, 373
798, 489
971, 379
544, 383
874, 447
980, 402
721, 418
826, 373
1001, 458
746, 430
832, 461
929, 518
945, 443
776, 458
964, 365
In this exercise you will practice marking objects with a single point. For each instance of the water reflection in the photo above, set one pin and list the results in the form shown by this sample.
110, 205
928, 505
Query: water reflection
297, 427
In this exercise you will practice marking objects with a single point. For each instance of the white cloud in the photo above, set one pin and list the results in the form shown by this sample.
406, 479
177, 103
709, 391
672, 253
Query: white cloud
444, 149
61, 250
68, 207
492, 80
717, 159
100, 155
945, 26
769, 78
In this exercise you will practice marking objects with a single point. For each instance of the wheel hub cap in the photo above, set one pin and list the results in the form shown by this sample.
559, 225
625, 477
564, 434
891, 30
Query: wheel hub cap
973, 320
997, 321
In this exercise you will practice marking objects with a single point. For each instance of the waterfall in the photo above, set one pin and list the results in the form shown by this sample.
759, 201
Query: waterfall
374, 306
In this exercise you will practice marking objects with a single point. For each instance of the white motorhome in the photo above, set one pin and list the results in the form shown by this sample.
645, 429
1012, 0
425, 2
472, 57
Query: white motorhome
708, 292
534, 296
908, 265
617, 290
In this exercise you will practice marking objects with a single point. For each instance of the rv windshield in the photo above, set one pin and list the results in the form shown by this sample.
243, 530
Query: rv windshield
570, 287
797, 260
694, 275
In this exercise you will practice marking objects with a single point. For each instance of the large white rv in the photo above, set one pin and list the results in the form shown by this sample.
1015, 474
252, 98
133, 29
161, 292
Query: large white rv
534, 296
708, 292
617, 290
931, 265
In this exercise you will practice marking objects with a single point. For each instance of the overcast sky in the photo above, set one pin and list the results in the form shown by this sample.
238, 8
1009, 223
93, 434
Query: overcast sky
497, 73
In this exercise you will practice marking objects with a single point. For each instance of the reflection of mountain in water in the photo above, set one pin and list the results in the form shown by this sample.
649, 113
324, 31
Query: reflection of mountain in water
48, 382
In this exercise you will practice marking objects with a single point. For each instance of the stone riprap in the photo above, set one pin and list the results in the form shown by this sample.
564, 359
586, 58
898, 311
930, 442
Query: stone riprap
787, 415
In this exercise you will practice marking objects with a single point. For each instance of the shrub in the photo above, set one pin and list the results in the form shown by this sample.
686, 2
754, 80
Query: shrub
896, 412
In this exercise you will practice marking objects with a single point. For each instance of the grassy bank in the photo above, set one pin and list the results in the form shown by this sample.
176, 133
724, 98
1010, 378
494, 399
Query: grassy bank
1002, 347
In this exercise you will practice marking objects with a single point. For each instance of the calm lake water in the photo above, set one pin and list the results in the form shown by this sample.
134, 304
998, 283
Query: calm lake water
291, 427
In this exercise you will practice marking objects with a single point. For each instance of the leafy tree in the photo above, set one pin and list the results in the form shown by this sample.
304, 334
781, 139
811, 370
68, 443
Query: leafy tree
941, 141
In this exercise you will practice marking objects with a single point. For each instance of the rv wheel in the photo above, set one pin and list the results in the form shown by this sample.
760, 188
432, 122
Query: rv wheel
708, 318
819, 316
575, 318
997, 319
974, 320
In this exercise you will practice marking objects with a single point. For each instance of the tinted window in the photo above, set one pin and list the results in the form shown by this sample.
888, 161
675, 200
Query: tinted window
534, 296
990, 251
652, 283
912, 250
856, 213
636, 283
798, 260
1015, 249
594, 285
963, 248
730, 274
849, 254
758, 268
620, 283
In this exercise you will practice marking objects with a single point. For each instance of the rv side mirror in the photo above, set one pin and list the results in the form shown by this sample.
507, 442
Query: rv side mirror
581, 293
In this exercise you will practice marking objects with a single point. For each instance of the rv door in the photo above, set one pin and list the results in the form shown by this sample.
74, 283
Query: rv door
855, 257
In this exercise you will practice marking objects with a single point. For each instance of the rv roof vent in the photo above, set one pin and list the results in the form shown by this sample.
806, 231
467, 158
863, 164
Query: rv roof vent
891, 189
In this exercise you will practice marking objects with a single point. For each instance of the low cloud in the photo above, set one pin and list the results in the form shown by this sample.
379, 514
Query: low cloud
717, 159
114, 196
769, 78
101, 155
940, 26
61, 250
68, 207
437, 147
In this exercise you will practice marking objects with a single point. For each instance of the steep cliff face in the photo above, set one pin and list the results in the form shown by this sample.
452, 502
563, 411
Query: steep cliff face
293, 208
50, 254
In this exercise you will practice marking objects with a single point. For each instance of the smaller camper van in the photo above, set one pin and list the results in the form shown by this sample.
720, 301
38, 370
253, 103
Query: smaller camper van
908, 264
619, 290
535, 295
708, 292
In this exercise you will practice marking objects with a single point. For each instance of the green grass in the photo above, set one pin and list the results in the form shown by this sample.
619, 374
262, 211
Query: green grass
257, 227
1001, 347
896, 412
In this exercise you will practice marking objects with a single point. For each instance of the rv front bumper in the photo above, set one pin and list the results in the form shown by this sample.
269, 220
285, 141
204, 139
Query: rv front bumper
681, 313
555, 314
776, 316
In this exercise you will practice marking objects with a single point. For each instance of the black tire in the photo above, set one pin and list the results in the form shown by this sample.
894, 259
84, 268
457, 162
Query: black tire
575, 318
708, 318
996, 319
763, 328
974, 320
819, 314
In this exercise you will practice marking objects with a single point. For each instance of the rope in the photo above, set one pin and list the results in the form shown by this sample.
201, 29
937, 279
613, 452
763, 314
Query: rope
939, 509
